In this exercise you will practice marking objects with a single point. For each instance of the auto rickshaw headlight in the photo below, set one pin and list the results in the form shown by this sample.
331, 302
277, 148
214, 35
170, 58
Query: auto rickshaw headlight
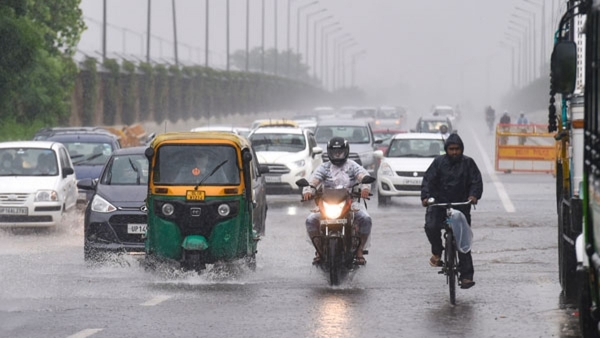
224, 210
168, 209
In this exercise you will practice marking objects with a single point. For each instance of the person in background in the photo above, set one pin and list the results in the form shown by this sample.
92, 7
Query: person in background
504, 123
444, 132
522, 121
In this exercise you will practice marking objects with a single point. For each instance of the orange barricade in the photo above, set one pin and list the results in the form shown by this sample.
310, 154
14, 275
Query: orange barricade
525, 148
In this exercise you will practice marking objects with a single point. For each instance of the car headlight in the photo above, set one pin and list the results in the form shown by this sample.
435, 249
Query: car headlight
99, 204
300, 163
386, 170
333, 210
46, 196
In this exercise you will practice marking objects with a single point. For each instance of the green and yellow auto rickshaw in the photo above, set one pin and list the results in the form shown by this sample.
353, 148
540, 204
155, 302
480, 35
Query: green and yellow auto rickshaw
200, 203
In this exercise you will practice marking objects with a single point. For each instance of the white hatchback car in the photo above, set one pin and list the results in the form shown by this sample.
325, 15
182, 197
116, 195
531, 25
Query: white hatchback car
37, 184
403, 165
291, 153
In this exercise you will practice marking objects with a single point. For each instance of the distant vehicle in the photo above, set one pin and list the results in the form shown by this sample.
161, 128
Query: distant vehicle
89, 149
115, 219
243, 131
37, 184
367, 114
291, 153
359, 135
385, 135
444, 111
273, 123
324, 113
388, 117
432, 124
403, 165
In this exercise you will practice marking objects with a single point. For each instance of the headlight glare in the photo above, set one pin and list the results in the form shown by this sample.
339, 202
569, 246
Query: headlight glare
333, 210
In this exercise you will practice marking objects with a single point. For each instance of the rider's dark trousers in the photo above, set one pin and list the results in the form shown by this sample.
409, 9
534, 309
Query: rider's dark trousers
434, 223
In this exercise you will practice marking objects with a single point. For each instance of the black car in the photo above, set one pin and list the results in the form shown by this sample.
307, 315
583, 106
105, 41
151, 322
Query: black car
115, 219
89, 148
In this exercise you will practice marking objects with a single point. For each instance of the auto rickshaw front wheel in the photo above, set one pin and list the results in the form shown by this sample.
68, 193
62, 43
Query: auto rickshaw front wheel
193, 260
250, 262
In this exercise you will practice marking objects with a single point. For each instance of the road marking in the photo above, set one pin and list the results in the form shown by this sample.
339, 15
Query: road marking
508, 205
85, 333
155, 301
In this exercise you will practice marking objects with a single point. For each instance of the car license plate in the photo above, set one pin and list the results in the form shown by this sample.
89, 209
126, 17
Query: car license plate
136, 228
13, 211
413, 181
194, 195
272, 179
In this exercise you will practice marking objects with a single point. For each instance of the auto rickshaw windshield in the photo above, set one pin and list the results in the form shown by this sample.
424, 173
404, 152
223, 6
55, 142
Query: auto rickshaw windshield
191, 164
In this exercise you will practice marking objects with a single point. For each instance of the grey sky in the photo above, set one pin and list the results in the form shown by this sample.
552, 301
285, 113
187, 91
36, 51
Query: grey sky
426, 45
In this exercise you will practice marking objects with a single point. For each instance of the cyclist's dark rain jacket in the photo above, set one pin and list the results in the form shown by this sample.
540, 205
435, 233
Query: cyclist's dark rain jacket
452, 181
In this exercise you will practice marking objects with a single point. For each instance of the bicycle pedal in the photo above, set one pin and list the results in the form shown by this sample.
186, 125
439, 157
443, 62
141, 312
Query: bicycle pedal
441, 272
365, 252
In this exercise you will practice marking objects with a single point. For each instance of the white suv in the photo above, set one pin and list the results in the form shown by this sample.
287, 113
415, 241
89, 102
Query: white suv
290, 153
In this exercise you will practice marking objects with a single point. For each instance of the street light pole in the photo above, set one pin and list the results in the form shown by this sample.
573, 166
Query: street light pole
206, 34
523, 29
325, 49
227, 33
104, 23
275, 39
353, 73
343, 48
148, 32
543, 31
247, 35
533, 34
308, 16
300, 9
175, 33
314, 60
262, 38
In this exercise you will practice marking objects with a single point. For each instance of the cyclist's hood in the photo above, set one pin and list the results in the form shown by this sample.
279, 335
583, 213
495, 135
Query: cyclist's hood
454, 139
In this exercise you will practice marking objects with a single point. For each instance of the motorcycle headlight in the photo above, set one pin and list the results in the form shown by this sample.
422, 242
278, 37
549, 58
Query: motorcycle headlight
46, 196
333, 210
168, 209
99, 204
386, 170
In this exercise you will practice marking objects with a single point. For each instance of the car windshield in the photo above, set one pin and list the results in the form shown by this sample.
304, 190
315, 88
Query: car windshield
88, 153
354, 134
416, 148
431, 126
388, 114
192, 164
126, 170
278, 142
28, 162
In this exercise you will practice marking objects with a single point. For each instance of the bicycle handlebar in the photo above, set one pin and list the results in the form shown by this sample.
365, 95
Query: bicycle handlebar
448, 205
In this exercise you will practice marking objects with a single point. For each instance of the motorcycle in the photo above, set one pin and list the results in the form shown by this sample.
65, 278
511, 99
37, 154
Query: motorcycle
338, 240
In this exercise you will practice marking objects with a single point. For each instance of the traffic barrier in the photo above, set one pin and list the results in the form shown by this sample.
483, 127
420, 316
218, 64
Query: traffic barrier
525, 148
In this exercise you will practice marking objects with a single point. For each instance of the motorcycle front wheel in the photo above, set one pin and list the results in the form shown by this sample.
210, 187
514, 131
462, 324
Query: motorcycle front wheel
334, 259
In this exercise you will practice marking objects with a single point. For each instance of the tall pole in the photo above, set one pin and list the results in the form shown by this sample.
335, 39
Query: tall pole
175, 33
275, 39
534, 38
227, 33
325, 50
246, 67
314, 60
148, 32
262, 38
300, 9
206, 34
353, 73
104, 23
308, 16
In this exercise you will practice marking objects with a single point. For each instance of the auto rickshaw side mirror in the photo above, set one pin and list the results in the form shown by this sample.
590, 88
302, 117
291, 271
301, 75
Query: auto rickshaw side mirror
247, 156
563, 67
149, 152
302, 183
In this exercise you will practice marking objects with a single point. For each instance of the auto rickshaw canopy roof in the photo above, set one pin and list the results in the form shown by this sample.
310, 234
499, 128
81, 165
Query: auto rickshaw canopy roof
201, 137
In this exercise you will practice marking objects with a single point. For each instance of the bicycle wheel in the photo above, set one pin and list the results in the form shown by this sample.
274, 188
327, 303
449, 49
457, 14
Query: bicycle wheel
450, 258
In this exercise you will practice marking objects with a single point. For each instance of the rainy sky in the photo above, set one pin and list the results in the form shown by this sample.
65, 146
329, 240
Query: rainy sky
421, 52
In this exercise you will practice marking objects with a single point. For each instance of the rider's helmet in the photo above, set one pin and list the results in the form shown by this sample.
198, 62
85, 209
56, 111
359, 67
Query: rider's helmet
338, 150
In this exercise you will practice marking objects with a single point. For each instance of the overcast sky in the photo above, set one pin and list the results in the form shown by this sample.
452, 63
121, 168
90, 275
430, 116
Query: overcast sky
443, 51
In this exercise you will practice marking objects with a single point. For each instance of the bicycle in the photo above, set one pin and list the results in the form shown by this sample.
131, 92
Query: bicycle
450, 267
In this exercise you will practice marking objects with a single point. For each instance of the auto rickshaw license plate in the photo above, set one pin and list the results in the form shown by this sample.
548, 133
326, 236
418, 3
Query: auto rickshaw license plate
194, 195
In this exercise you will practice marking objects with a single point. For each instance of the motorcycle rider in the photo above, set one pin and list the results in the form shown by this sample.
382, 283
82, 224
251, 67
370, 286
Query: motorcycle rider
490, 117
451, 178
339, 171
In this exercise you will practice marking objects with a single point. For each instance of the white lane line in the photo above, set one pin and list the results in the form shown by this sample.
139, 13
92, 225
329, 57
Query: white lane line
508, 205
85, 333
155, 301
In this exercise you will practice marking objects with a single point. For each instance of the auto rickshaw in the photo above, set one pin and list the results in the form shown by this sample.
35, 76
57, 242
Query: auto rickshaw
200, 203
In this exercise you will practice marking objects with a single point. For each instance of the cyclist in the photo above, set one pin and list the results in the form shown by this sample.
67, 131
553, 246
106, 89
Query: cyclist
451, 178
490, 117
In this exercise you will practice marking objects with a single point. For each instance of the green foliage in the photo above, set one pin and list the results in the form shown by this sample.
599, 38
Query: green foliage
89, 82
174, 94
111, 90
12, 130
128, 92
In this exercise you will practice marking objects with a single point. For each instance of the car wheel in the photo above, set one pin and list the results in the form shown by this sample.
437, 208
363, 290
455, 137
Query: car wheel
383, 200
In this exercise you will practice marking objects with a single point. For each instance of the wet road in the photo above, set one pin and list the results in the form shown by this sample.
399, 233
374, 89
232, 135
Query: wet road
46, 289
